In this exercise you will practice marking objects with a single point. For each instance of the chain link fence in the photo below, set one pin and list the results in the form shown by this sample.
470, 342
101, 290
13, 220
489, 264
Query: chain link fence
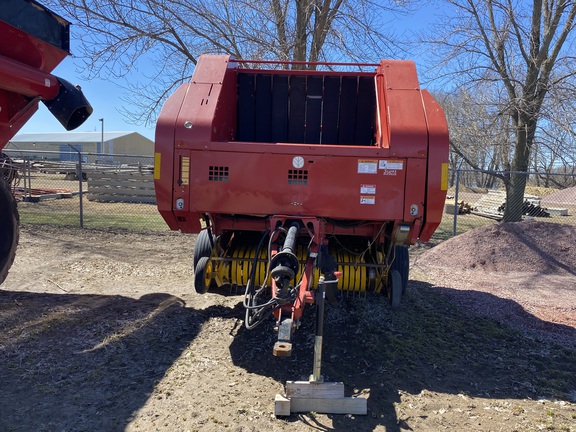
72, 188
477, 198
90, 190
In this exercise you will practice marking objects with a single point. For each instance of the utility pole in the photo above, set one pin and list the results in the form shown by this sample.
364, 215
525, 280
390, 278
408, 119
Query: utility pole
102, 140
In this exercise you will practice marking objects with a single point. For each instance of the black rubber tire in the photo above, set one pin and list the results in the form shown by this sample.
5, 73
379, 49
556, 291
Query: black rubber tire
395, 289
9, 229
402, 264
204, 245
202, 272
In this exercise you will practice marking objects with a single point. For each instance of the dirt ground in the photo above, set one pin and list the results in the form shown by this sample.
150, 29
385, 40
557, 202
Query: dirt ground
102, 331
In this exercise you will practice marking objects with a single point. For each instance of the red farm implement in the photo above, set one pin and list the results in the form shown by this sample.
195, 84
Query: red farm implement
301, 183
34, 41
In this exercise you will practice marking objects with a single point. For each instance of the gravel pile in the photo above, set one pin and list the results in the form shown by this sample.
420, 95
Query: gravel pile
522, 274
564, 197
529, 246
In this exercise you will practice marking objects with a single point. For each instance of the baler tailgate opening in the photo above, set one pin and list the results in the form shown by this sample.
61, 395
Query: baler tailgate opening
306, 109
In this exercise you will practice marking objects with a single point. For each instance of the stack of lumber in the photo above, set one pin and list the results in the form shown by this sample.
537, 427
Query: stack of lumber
129, 186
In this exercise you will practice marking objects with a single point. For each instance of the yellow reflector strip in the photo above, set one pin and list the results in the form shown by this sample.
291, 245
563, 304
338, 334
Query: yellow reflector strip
444, 180
157, 160
185, 170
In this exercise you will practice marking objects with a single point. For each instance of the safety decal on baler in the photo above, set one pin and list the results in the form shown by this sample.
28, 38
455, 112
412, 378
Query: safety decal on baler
367, 199
367, 194
367, 166
366, 189
389, 164
390, 167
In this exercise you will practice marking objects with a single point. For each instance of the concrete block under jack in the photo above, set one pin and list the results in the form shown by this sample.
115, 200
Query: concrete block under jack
281, 406
326, 398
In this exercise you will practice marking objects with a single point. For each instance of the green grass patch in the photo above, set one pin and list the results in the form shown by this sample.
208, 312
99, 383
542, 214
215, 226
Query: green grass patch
128, 221
464, 223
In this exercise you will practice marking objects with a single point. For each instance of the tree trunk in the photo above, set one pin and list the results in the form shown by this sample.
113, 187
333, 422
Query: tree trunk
515, 187
515, 196
300, 36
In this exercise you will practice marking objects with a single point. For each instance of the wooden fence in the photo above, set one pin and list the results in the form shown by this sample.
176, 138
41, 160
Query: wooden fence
135, 186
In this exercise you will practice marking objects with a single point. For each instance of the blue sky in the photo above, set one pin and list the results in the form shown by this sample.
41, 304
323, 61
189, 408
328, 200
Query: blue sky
105, 96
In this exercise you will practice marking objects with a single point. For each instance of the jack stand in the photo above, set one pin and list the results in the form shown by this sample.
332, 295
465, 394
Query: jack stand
315, 394
316, 377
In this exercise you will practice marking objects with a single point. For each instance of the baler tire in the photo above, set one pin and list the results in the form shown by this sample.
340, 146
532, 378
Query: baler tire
202, 279
204, 245
402, 264
9, 229
395, 289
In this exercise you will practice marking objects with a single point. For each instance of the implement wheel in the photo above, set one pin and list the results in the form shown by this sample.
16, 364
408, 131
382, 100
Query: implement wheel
204, 245
202, 275
402, 264
9, 229
394, 289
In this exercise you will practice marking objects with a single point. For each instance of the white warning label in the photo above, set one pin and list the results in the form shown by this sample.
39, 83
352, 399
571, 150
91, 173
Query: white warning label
367, 166
391, 164
368, 199
368, 189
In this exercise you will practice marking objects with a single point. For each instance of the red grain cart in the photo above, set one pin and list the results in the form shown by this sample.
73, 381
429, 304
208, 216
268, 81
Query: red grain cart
34, 41
301, 181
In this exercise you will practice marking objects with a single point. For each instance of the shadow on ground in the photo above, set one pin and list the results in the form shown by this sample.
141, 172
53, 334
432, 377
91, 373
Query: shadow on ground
427, 345
87, 362
100, 357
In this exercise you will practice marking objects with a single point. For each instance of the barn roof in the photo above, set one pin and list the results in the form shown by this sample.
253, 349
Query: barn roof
69, 137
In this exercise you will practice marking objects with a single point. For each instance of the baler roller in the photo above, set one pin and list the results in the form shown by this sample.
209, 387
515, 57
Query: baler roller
236, 267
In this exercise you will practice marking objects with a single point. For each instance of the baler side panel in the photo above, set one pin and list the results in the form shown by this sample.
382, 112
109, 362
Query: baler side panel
407, 124
400, 105
437, 172
184, 208
208, 110
414, 191
164, 155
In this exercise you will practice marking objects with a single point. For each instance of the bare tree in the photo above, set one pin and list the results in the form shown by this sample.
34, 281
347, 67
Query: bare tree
555, 149
169, 35
524, 50
478, 136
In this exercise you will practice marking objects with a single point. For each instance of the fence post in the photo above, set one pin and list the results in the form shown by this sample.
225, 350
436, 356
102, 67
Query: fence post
79, 175
80, 189
457, 186
25, 175
28, 174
